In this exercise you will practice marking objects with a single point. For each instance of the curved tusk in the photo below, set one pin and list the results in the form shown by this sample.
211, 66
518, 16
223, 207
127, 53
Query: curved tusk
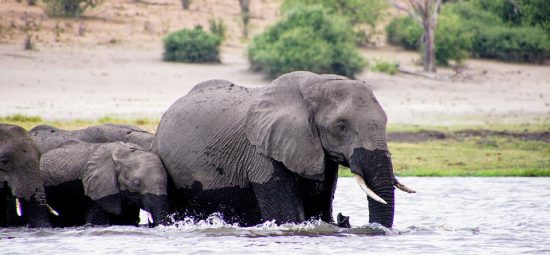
402, 186
366, 189
150, 217
54, 212
18, 207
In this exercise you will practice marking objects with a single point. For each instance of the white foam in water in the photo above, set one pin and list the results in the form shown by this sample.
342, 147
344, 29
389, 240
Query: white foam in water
484, 215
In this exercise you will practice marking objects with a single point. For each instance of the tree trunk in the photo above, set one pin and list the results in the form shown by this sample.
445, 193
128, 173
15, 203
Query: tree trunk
245, 14
429, 43
186, 4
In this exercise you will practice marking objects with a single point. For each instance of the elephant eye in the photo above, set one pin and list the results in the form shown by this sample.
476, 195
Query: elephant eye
341, 125
4, 161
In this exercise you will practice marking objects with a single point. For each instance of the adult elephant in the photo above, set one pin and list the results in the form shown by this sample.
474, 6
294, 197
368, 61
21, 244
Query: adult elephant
104, 183
47, 137
272, 153
22, 197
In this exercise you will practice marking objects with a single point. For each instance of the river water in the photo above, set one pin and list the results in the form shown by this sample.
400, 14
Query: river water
447, 216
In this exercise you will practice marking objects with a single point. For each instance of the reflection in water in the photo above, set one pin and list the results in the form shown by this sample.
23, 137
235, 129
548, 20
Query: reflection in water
446, 216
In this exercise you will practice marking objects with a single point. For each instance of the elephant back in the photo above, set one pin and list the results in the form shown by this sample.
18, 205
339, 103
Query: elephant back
109, 132
67, 162
47, 137
212, 112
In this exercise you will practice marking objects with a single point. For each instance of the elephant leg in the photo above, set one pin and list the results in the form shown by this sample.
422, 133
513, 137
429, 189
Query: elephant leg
279, 198
318, 195
95, 215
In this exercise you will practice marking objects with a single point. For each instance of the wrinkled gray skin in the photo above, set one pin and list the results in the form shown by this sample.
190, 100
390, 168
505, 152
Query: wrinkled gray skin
20, 178
273, 152
48, 137
104, 183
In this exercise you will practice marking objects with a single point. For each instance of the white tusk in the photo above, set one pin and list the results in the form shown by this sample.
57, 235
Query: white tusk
54, 212
150, 217
18, 207
366, 189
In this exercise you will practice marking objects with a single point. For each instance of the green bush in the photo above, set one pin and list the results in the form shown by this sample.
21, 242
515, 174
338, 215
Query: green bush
452, 40
357, 11
467, 28
379, 65
69, 8
307, 38
192, 45
405, 32
217, 27
516, 44
499, 32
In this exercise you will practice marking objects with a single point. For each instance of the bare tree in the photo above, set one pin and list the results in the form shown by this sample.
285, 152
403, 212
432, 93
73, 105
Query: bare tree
185, 4
245, 14
424, 12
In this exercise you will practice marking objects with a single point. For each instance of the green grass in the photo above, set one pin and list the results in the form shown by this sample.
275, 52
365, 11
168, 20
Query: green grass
383, 66
473, 156
493, 156
29, 122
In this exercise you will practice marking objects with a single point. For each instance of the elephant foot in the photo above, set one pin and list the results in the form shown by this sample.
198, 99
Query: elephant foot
342, 221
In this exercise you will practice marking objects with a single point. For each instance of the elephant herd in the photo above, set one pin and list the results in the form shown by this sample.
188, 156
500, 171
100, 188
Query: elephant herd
249, 154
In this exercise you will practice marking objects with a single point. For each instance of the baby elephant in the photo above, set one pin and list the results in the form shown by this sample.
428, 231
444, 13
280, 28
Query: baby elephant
104, 183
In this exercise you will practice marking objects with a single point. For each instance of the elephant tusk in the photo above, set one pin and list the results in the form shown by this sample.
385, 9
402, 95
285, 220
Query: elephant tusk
402, 186
366, 189
150, 217
54, 212
18, 207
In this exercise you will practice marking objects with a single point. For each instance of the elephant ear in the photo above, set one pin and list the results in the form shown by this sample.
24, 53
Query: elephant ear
280, 125
100, 179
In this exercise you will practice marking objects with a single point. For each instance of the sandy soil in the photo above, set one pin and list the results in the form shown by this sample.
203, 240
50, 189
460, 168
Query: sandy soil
74, 76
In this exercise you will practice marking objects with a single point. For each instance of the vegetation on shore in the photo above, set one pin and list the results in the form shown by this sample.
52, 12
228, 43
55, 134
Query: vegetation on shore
455, 155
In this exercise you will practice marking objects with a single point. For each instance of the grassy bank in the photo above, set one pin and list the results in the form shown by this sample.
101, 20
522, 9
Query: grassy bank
491, 155
474, 156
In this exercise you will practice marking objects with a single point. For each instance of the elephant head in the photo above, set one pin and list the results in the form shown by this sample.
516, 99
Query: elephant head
305, 120
120, 171
19, 168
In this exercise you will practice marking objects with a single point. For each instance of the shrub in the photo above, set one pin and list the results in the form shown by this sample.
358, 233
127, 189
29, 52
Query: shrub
496, 33
452, 40
357, 11
68, 8
383, 66
404, 31
310, 39
516, 44
217, 27
192, 45
467, 28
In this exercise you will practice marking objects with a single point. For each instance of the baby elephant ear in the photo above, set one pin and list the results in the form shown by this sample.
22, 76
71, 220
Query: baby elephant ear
100, 179
280, 124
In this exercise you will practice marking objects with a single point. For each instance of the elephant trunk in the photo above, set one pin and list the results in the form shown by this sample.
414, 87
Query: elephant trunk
36, 211
376, 171
157, 205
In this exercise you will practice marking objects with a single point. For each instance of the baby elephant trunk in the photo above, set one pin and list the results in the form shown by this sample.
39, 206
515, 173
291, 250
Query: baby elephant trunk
157, 206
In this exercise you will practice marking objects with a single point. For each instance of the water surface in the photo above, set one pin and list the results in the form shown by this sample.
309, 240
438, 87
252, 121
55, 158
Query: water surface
447, 216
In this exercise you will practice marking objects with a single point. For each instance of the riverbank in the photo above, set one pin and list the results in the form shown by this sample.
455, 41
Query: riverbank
489, 150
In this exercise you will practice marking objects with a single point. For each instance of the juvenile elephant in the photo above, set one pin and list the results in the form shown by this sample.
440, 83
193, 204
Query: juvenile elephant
104, 183
21, 186
273, 152
48, 137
